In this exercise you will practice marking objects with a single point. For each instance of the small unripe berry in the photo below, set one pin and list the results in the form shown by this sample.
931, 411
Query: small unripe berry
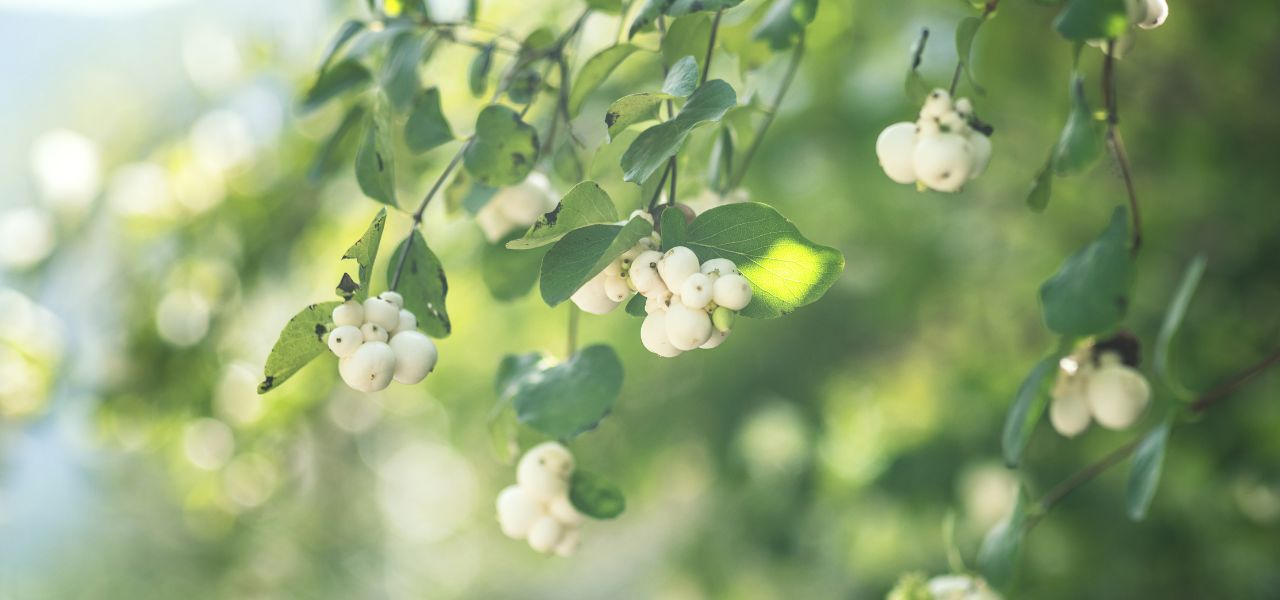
592, 298
732, 292
517, 512
568, 543
372, 332
616, 288
653, 334
696, 291
345, 340
720, 266
676, 265
416, 356
545, 533
543, 472
385, 314
1117, 394
942, 162
408, 322
687, 328
393, 297
644, 271
894, 148
722, 319
562, 509
964, 107
349, 313
370, 368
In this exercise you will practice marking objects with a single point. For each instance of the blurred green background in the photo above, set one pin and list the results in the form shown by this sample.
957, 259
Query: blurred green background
157, 230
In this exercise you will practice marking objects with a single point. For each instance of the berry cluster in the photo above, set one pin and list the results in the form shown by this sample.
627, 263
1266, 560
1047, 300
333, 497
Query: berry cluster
689, 305
612, 286
516, 207
942, 150
1096, 386
537, 507
378, 341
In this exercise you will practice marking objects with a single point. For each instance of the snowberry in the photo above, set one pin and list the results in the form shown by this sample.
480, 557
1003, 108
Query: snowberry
643, 214
696, 291
370, 368
416, 356
616, 288
644, 271
720, 266
372, 332
349, 313
980, 153
653, 334
1068, 411
562, 509
592, 297
393, 297
938, 103
1117, 394
545, 534
722, 319
568, 543
543, 472
408, 322
658, 302
687, 328
676, 265
964, 107
1154, 15
895, 148
732, 292
717, 338
345, 340
382, 312
517, 512
942, 161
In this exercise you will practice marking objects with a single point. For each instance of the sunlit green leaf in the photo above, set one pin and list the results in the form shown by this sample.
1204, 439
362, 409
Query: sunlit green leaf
504, 149
585, 204
1144, 475
375, 158
427, 128
596, 70
572, 397
365, 253
345, 76
786, 269
658, 143
1090, 292
595, 497
583, 252
422, 283
301, 341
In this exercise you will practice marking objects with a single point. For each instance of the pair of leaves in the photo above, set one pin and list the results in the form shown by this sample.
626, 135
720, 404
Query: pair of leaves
422, 282
655, 145
594, 73
681, 81
566, 399
1090, 292
504, 149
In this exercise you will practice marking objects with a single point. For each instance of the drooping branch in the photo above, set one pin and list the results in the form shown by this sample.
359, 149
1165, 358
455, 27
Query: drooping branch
1115, 145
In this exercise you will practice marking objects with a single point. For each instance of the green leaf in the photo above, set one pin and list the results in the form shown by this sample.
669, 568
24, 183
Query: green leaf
591, 495
915, 87
1028, 408
658, 143
504, 149
524, 85
326, 158
635, 306
998, 555
674, 229
785, 22
684, 7
686, 36
583, 252
594, 72
1081, 142
509, 274
513, 370
1090, 292
345, 76
423, 284
365, 253
1173, 320
966, 31
786, 269
682, 79
1144, 475
463, 193
585, 204
375, 158
612, 7
399, 76
427, 128
1083, 20
299, 343
630, 110
346, 32
647, 14
567, 165
572, 397
1041, 187
478, 74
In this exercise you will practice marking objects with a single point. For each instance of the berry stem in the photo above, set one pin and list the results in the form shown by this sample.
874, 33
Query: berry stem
792, 67
711, 44
1205, 401
1116, 145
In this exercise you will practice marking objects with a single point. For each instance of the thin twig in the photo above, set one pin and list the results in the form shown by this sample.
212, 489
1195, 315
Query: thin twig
1116, 145
711, 45
796, 56
671, 194
657, 192
1224, 390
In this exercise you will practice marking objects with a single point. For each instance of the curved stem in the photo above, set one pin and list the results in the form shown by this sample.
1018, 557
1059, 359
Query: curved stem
1116, 146
792, 67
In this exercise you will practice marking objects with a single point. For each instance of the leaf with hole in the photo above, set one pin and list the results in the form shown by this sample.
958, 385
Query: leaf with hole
365, 253
633, 109
301, 341
655, 145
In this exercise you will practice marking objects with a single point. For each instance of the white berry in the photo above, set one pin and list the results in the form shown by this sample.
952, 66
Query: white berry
942, 161
697, 291
1117, 394
592, 298
372, 332
393, 297
653, 334
644, 271
616, 288
1156, 12
562, 509
543, 471
385, 314
408, 322
345, 340
937, 104
717, 337
894, 148
370, 368
1068, 412
676, 265
719, 266
568, 543
732, 292
657, 302
687, 327
545, 533
416, 356
348, 313
517, 512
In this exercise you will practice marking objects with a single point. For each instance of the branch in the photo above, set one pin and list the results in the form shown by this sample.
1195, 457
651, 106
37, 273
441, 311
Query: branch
711, 44
1116, 146
796, 56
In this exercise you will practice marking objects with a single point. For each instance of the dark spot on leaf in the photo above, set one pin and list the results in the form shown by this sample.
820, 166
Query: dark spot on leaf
551, 217
267, 384
378, 155
444, 282
518, 159
320, 331
610, 118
